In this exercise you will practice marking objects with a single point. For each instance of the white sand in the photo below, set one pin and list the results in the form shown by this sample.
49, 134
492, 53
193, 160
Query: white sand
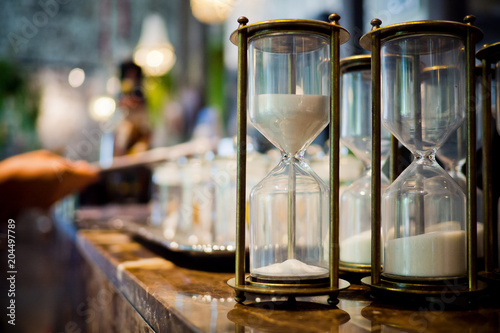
291, 268
435, 254
357, 249
455, 226
289, 120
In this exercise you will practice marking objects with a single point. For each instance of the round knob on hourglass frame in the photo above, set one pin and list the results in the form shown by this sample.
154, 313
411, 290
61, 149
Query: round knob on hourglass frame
242, 20
334, 18
470, 19
376, 23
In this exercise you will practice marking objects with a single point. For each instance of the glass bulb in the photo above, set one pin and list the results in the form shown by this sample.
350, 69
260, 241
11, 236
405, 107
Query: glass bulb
289, 103
424, 209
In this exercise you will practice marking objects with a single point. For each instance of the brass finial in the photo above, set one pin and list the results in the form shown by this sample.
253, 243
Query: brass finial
470, 19
334, 18
242, 20
376, 23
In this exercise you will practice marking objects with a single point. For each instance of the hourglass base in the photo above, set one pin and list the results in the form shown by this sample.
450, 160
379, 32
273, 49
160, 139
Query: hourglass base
302, 288
354, 268
451, 288
288, 281
491, 278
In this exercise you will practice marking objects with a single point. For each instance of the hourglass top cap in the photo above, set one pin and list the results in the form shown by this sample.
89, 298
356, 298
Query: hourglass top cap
489, 52
355, 63
288, 25
451, 28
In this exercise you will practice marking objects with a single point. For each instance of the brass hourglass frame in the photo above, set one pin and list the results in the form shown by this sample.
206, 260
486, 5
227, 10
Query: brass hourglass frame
489, 54
373, 41
337, 35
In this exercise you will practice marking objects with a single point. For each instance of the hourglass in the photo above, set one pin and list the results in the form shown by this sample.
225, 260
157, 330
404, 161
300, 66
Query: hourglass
293, 90
423, 82
356, 134
489, 54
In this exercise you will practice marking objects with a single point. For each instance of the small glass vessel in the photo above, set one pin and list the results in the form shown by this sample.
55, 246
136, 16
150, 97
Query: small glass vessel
197, 203
356, 134
424, 209
289, 103
224, 169
166, 197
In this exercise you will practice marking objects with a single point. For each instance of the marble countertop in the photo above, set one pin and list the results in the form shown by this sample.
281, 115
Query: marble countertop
174, 298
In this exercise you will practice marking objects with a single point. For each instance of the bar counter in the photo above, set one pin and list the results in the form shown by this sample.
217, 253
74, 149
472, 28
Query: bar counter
139, 290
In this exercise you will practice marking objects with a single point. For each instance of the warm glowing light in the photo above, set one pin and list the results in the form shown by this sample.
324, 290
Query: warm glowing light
102, 108
154, 53
154, 58
76, 77
211, 11
155, 62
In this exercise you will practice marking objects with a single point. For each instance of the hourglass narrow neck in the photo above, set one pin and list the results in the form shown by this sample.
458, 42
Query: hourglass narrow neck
425, 157
289, 158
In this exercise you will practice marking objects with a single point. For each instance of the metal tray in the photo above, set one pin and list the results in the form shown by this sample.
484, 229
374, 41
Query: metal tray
134, 219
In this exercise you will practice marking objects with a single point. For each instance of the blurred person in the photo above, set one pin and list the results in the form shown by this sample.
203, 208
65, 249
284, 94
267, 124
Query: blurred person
133, 134
38, 179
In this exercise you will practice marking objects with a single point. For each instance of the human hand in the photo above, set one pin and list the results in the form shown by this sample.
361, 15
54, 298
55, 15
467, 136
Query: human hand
40, 178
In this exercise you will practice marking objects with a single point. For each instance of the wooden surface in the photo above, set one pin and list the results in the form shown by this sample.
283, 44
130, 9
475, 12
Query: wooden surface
174, 299
106, 309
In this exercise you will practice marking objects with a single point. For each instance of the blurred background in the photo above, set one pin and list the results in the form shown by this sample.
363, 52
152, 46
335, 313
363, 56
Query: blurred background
68, 75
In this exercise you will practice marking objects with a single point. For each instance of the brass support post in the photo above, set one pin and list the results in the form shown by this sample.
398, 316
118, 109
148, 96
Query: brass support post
334, 150
470, 92
242, 152
376, 167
